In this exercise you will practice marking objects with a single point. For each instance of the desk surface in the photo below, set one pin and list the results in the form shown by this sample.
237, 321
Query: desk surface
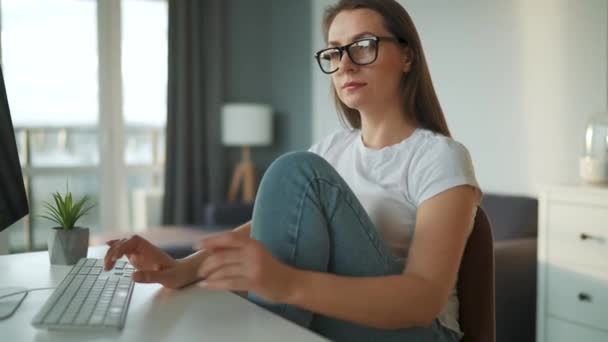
155, 313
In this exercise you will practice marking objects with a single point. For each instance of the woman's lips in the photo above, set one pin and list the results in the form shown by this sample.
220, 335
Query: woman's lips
353, 85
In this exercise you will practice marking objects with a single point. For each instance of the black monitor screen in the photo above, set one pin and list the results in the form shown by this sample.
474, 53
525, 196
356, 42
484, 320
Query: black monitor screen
13, 201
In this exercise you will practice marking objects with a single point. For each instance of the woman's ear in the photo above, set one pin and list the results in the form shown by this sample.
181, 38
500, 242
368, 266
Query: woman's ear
408, 57
407, 65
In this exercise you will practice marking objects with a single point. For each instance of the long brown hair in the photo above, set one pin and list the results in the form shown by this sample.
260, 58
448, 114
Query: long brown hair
420, 99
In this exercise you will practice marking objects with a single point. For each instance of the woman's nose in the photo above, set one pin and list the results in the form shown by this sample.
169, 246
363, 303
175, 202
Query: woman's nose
346, 63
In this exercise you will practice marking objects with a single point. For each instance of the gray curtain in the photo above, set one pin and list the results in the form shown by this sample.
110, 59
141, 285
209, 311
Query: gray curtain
193, 152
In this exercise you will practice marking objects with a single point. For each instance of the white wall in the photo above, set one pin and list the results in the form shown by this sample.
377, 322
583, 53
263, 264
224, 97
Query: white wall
517, 80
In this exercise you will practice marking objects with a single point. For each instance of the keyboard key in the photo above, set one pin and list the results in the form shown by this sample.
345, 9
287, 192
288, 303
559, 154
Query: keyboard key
54, 297
120, 264
112, 321
96, 320
84, 270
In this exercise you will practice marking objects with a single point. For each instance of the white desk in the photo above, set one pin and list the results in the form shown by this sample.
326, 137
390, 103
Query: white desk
155, 313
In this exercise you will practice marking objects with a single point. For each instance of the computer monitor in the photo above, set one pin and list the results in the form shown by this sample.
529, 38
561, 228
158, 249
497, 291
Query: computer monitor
13, 200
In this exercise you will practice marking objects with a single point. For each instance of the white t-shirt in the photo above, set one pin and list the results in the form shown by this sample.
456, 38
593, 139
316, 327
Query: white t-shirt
393, 181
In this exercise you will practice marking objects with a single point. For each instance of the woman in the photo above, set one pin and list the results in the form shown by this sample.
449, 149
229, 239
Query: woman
362, 238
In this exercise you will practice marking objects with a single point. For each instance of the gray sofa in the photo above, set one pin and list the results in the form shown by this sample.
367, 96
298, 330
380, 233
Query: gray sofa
214, 217
514, 225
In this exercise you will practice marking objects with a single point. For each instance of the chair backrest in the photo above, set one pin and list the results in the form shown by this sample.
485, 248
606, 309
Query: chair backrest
476, 284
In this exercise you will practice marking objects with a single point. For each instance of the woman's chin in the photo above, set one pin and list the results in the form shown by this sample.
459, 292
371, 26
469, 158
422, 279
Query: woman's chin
353, 102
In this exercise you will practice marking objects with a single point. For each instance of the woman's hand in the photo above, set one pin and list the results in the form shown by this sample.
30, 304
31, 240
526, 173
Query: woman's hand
239, 263
152, 264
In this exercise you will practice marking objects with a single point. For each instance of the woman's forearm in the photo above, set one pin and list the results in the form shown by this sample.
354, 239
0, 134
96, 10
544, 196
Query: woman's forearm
387, 302
189, 265
244, 229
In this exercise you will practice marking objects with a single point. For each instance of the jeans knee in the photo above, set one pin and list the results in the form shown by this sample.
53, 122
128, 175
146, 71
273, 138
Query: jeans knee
298, 163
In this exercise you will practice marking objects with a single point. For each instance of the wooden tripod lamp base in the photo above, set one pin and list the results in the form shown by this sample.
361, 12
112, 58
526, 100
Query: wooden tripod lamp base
244, 175
245, 125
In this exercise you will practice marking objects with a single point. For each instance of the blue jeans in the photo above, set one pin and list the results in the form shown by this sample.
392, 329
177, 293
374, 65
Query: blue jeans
306, 216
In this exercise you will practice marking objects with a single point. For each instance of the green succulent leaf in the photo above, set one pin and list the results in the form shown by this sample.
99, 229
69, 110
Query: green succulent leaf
65, 210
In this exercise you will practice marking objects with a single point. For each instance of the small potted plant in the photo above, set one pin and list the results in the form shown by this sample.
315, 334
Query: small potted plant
67, 243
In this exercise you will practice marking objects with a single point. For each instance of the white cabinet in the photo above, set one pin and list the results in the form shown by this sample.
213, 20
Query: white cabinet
573, 265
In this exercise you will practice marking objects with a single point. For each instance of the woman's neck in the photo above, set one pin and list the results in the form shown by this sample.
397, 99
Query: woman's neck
385, 128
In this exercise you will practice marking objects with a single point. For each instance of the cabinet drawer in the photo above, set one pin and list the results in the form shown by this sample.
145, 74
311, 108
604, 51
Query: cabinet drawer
578, 234
578, 294
562, 331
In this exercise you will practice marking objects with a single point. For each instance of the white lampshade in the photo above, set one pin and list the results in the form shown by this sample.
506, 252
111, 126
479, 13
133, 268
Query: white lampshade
246, 124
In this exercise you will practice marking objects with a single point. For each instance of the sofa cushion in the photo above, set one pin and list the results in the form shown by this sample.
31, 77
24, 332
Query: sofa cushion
227, 214
515, 264
512, 217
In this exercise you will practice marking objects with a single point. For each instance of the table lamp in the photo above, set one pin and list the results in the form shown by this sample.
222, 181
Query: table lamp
245, 125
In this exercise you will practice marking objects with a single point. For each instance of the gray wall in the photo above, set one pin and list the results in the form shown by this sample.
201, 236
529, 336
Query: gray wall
517, 79
267, 59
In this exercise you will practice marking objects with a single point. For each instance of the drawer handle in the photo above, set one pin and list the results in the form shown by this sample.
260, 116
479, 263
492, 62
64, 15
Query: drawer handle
584, 297
585, 236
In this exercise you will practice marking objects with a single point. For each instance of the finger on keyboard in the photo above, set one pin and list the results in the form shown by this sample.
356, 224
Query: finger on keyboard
119, 249
107, 264
110, 258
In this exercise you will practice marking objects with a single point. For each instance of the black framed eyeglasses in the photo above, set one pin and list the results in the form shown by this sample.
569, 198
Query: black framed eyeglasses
361, 52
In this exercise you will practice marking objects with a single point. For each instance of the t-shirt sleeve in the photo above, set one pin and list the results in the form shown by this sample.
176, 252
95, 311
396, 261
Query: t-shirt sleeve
445, 165
316, 148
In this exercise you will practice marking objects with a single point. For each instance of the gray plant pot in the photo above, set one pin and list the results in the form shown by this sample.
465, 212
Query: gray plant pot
66, 247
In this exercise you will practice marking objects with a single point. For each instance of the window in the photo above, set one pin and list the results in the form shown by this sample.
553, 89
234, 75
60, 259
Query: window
144, 74
51, 61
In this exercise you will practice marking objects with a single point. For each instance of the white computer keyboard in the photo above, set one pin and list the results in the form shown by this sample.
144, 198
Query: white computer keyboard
89, 299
